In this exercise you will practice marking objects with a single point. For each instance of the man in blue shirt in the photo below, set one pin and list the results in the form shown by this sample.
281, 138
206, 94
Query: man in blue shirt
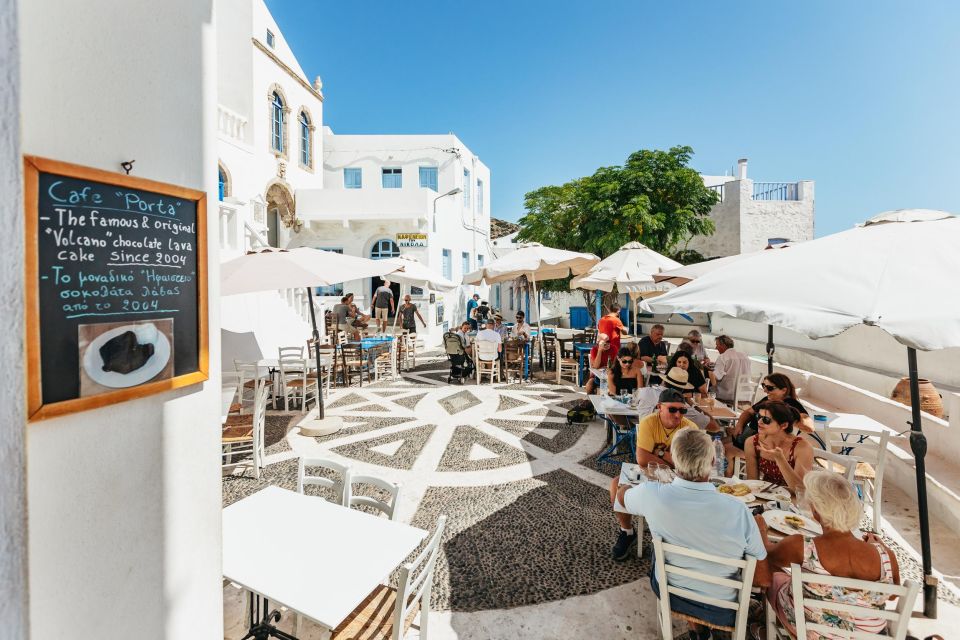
691, 513
471, 305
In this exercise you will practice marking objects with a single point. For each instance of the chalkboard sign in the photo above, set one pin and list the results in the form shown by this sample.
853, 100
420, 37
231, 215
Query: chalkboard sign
117, 287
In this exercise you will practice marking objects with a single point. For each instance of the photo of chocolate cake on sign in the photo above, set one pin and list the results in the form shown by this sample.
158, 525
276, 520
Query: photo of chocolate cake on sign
116, 355
124, 354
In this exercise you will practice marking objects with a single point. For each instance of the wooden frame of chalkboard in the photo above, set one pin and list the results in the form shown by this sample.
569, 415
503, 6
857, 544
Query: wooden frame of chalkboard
118, 256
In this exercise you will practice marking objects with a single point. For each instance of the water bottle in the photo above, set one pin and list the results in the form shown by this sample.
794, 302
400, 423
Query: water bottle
819, 423
720, 460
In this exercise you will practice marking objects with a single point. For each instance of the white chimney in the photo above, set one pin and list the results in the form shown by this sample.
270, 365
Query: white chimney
742, 169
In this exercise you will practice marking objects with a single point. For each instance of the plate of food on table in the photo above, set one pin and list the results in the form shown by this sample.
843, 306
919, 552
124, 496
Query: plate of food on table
791, 523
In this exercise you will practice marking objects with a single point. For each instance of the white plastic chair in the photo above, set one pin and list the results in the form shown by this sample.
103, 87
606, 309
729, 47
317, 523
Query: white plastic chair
391, 488
870, 447
487, 360
340, 486
244, 435
844, 465
897, 618
741, 606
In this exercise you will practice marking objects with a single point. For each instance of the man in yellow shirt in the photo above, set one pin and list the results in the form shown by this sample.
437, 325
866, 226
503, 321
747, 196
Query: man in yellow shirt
654, 435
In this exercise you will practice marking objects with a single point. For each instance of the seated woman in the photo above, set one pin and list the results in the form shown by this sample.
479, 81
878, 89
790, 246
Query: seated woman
780, 388
694, 375
625, 375
777, 454
836, 552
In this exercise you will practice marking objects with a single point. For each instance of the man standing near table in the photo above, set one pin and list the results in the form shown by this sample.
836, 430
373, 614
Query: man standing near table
611, 325
382, 305
691, 513
472, 304
654, 435
730, 365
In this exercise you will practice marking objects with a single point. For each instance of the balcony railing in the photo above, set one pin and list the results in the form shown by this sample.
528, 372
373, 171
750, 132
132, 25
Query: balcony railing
776, 191
231, 124
718, 189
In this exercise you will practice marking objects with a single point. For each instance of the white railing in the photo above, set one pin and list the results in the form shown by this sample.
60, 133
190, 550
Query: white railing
229, 225
254, 239
231, 124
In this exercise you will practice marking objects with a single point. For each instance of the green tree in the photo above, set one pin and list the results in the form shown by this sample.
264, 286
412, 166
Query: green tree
654, 198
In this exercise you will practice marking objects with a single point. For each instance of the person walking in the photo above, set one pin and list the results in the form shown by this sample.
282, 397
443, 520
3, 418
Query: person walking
407, 312
382, 305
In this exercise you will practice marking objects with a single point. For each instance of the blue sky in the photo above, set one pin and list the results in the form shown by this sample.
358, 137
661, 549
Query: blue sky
863, 98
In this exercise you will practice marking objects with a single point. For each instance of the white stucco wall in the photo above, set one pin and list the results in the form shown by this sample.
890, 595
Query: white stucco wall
124, 501
14, 611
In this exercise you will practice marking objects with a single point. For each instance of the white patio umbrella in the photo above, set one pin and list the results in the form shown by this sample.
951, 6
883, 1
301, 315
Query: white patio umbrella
536, 262
686, 273
415, 274
892, 272
303, 267
632, 269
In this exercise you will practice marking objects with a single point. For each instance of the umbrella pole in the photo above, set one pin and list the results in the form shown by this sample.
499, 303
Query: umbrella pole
598, 301
770, 349
321, 426
918, 444
536, 298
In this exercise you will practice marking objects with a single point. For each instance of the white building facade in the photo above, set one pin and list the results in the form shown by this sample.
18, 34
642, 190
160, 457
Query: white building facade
286, 180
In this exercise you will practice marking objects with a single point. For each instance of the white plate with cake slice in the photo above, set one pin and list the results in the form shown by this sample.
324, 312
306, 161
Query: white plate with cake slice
127, 368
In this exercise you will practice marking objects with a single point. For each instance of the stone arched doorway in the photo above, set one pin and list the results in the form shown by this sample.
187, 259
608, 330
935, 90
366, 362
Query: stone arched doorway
281, 210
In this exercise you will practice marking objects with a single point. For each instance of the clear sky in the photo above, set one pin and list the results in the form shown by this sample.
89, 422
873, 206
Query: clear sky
862, 97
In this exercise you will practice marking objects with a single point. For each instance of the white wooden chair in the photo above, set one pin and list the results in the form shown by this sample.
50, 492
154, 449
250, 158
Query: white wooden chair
251, 378
243, 434
410, 350
388, 507
339, 485
389, 612
386, 363
897, 618
871, 448
741, 606
844, 465
290, 352
296, 383
487, 360
566, 365
745, 392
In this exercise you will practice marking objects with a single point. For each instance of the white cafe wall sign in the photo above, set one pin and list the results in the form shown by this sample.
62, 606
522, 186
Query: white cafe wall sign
411, 240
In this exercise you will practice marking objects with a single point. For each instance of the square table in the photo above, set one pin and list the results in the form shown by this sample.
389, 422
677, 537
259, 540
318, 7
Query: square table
312, 556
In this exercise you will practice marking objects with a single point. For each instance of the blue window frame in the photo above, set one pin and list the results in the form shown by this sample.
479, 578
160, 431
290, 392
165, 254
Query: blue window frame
276, 139
335, 289
428, 177
447, 264
392, 178
271, 40
465, 262
496, 294
306, 151
480, 196
223, 180
352, 178
466, 187
385, 248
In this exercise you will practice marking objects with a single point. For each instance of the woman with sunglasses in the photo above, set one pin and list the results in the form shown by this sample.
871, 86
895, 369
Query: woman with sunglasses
625, 374
780, 388
777, 454
694, 376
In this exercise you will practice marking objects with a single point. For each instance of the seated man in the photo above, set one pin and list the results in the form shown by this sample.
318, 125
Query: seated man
600, 356
521, 329
653, 347
654, 434
678, 379
490, 334
691, 513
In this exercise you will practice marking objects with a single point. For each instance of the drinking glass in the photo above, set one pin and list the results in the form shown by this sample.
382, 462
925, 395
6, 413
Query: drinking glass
802, 502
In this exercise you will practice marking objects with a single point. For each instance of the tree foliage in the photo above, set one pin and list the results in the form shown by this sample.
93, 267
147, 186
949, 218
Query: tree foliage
654, 198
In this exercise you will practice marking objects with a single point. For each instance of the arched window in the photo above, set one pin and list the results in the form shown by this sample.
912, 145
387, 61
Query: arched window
276, 141
306, 149
222, 179
385, 248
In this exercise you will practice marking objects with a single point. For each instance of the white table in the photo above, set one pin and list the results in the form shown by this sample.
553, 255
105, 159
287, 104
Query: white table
314, 557
227, 394
607, 406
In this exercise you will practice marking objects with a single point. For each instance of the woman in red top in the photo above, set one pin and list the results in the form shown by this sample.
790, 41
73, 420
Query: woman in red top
776, 453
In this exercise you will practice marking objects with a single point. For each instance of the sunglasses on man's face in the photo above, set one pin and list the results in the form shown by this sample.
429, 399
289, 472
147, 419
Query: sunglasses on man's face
681, 410
766, 419
694, 342
769, 387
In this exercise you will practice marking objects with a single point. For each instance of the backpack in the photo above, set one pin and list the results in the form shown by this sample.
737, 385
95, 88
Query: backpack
583, 411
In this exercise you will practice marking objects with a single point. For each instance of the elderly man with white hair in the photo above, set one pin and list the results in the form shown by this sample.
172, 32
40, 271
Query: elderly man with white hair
676, 511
